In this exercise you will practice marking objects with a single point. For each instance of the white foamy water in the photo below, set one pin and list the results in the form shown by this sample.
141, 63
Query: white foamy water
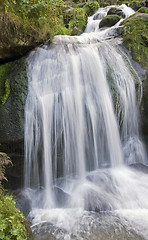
81, 133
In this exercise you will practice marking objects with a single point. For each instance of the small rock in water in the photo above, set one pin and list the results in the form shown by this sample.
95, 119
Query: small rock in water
61, 197
116, 11
140, 167
109, 21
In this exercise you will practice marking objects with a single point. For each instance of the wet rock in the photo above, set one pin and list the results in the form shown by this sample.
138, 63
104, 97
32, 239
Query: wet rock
100, 199
61, 197
97, 202
116, 11
23, 204
90, 226
140, 167
109, 21
28, 230
44, 231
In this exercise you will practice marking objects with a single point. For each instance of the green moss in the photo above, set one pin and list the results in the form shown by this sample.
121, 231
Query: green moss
109, 21
135, 37
4, 82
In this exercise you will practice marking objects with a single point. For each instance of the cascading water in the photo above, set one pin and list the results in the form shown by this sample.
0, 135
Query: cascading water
81, 128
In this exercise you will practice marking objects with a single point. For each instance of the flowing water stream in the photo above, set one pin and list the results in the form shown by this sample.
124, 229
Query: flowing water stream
81, 134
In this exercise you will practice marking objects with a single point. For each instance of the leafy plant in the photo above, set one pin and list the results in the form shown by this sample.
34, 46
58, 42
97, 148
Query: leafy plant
12, 222
78, 20
91, 7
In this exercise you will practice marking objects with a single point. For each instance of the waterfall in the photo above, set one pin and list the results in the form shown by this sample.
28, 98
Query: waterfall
82, 123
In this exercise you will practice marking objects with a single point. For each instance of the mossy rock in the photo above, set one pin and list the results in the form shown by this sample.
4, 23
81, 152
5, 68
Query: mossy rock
29, 233
109, 21
116, 11
135, 39
143, 10
12, 112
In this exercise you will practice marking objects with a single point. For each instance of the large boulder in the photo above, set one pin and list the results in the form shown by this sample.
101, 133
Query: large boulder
109, 21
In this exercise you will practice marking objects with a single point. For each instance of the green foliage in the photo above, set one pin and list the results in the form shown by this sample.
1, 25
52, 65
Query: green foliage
143, 10
11, 220
78, 21
51, 17
42, 15
135, 5
91, 7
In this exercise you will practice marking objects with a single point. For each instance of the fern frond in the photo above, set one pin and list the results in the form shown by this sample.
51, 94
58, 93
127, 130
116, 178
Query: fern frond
4, 160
